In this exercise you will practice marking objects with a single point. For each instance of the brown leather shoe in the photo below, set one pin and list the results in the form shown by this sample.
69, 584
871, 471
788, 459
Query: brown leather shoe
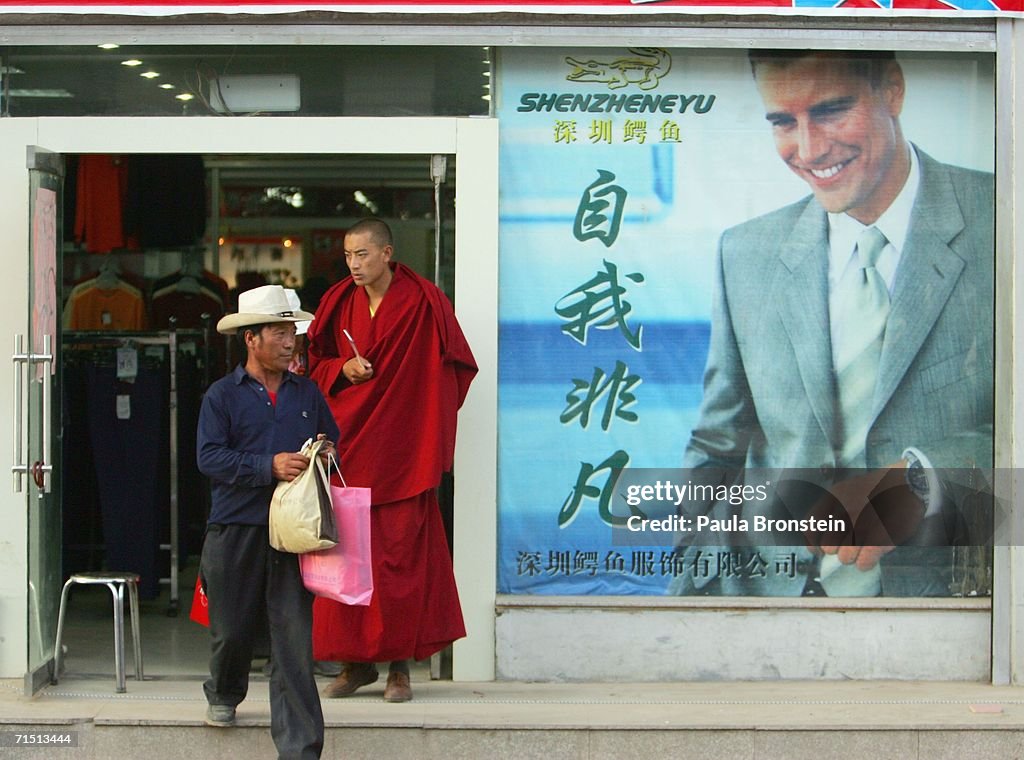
398, 688
353, 676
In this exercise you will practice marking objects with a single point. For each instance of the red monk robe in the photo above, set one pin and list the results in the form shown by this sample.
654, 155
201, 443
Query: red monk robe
397, 438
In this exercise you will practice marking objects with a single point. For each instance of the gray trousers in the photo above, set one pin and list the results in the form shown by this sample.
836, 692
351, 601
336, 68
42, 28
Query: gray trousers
244, 577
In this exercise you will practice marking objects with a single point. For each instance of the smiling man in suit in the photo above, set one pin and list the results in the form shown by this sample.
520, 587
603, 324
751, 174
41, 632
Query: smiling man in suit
852, 331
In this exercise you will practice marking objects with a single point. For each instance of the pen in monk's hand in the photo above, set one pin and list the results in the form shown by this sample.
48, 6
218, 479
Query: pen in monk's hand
355, 350
352, 343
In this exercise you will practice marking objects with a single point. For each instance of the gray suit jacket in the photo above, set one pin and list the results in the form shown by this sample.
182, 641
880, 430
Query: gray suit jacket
769, 386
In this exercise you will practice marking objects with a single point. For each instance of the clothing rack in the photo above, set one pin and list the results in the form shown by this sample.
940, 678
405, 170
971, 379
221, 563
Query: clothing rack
170, 338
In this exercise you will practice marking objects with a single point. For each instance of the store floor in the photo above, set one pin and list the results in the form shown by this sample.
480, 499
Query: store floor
173, 646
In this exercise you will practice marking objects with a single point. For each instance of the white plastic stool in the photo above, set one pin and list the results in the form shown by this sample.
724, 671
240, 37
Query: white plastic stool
116, 582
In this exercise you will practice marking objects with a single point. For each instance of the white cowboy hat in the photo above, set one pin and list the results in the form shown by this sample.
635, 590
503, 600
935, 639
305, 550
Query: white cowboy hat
267, 303
293, 301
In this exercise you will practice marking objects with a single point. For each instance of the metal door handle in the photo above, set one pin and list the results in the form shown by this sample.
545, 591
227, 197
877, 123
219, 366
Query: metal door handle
41, 469
20, 360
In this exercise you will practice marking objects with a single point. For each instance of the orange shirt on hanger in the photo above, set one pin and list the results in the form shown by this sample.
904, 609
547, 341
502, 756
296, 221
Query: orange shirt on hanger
93, 308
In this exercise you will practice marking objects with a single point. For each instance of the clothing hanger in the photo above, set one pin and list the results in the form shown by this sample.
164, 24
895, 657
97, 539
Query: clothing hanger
191, 272
192, 268
187, 284
110, 271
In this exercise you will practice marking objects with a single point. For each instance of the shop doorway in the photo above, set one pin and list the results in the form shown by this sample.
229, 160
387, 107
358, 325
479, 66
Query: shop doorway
147, 271
254, 166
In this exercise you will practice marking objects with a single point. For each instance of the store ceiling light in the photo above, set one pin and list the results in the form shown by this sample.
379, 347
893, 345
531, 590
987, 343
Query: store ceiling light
364, 201
131, 62
166, 86
185, 96
150, 74
108, 46
41, 93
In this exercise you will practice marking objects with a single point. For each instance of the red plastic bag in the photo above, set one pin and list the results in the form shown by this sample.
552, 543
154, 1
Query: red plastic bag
200, 611
344, 572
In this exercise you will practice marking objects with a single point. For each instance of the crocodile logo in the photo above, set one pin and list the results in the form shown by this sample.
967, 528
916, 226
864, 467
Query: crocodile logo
643, 68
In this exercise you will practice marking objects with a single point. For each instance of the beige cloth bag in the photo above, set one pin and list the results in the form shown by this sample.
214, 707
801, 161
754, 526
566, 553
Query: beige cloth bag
301, 512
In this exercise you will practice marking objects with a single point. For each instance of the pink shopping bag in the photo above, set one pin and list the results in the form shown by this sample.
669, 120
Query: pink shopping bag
345, 571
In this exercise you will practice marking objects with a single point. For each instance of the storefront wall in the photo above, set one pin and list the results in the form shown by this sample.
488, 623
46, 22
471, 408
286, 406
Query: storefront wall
593, 637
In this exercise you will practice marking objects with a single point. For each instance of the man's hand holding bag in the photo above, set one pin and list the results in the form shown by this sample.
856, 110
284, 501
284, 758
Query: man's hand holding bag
301, 512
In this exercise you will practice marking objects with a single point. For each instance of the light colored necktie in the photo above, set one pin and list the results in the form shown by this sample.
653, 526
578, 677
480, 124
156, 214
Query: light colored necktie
863, 308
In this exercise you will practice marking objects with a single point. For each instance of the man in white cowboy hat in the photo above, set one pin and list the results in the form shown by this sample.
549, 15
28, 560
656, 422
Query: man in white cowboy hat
251, 426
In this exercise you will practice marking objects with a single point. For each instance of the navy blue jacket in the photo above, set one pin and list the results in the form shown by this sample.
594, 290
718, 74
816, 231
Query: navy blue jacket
239, 433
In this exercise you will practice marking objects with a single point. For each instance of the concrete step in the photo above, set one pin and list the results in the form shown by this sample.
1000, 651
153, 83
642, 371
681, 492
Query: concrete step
162, 718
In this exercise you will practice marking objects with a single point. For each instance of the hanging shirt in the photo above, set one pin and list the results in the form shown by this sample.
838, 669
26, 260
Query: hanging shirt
89, 307
186, 307
166, 202
99, 194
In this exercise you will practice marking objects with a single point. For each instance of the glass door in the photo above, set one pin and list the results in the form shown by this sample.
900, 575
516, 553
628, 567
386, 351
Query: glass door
37, 426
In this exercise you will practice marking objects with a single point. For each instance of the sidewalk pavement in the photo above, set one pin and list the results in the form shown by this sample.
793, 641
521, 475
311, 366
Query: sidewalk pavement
798, 705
